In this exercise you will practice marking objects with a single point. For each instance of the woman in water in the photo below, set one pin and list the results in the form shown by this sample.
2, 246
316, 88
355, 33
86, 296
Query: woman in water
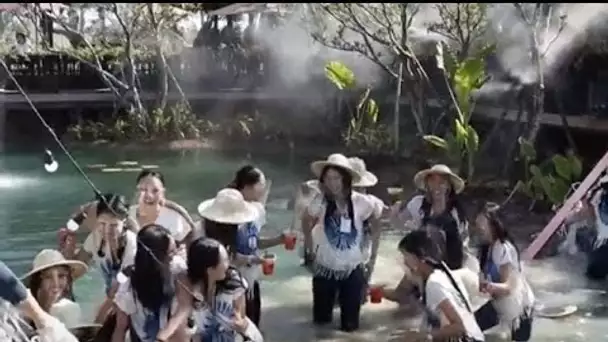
333, 234
366, 181
111, 246
145, 298
152, 207
253, 186
216, 293
448, 309
52, 277
14, 295
512, 298
234, 221
440, 199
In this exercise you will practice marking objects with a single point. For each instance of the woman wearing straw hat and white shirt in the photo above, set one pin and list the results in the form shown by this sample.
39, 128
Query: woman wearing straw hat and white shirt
51, 280
242, 238
441, 187
14, 295
333, 233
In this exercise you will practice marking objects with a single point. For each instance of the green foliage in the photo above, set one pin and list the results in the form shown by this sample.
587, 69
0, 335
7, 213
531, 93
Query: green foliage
548, 180
461, 143
175, 122
363, 130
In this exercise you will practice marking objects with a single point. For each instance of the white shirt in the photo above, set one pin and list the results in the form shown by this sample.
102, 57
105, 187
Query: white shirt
379, 206
601, 226
169, 219
126, 301
338, 251
521, 296
92, 244
438, 289
247, 242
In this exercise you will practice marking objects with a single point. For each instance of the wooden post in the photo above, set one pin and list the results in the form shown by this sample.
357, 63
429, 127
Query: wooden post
561, 214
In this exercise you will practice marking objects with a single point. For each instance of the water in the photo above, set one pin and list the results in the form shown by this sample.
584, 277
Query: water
35, 204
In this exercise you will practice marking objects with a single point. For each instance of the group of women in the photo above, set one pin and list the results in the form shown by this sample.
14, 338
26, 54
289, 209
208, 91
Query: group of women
167, 278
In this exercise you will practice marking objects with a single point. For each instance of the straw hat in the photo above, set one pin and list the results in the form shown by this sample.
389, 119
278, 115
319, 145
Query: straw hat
439, 169
48, 258
70, 314
229, 207
367, 178
335, 160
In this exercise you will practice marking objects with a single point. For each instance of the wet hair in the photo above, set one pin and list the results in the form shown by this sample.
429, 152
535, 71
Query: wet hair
150, 279
347, 185
225, 233
113, 205
453, 251
419, 244
452, 203
498, 232
150, 173
204, 253
35, 283
247, 175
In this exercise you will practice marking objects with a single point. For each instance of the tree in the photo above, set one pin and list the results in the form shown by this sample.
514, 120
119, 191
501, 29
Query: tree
464, 25
538, 19
379, 32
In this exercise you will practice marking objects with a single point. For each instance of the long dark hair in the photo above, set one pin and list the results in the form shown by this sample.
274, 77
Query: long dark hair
347, 186
247, 175
422, 246
453, 254
498, 231
225, 233
452, 203
204, 253
35, 282
151, 280
150, 173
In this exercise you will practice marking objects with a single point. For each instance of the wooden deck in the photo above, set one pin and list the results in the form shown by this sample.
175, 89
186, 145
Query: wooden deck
14, 100
583, 121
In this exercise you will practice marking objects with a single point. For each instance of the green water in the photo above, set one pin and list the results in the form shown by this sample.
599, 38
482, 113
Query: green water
34, 204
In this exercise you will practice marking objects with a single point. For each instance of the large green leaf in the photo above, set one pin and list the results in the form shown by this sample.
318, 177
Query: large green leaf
460, 133
559, 190
340, 75
436, 141
473, 138
562, 166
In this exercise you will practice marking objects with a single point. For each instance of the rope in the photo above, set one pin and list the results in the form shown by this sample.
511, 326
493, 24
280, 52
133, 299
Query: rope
76, 165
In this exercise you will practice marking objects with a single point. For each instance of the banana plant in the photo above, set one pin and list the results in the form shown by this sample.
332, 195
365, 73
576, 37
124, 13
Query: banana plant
548, 180
364, 117
461, 142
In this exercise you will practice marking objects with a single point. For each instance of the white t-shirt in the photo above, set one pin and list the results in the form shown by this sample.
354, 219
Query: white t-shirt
601, 226
92, 244
521, 296
139, 316
247, 242
338, 249
366, 244
439, 288
169, 219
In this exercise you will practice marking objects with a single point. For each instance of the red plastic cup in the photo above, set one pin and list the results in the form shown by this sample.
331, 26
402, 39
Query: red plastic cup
289, 240
376, 294
268, 264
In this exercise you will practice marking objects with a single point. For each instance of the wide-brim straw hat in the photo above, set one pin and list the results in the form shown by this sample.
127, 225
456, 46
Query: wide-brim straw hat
228, 207
439, 169
48, 258
70, 314
368, 179
336, 160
